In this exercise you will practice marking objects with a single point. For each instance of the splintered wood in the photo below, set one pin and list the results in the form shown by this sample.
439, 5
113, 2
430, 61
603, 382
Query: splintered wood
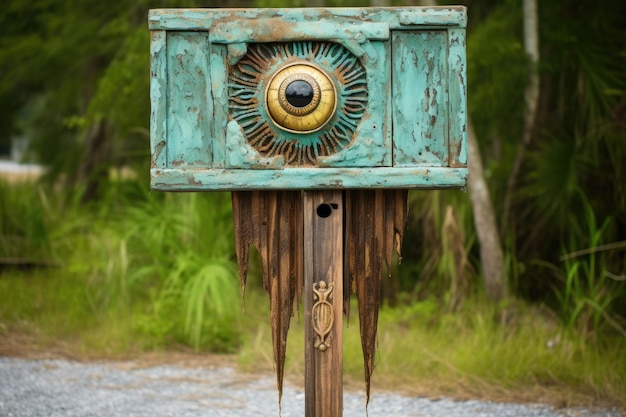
375, 221
272, 221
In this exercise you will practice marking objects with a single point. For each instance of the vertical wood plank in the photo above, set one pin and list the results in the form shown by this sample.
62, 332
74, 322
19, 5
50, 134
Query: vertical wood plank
323, 262
368, 279
190, 106
158, 98
245, 233
375, 221
420, 97
458, 97
272, 222
219, 96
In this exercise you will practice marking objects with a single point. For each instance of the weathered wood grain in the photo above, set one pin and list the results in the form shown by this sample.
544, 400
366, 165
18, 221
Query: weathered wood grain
375, 221
299, 247
323, 261
420, 87
272, 222
308, 178
189, 100
218, 59
396, 18
158, 99
457, 81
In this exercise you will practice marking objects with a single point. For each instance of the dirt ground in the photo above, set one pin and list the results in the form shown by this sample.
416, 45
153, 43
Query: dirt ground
15, 344
20, 345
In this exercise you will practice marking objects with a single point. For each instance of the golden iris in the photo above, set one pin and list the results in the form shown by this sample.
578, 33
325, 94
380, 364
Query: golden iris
300, 98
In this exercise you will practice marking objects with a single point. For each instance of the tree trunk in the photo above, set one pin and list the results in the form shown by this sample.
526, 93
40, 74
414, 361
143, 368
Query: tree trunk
491, 256
94, 166
531, 97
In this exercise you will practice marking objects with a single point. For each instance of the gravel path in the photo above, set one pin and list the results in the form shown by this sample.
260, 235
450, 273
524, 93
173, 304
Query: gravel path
60, 388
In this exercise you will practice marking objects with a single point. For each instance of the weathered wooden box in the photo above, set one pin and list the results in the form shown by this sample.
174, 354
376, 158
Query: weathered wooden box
248, 99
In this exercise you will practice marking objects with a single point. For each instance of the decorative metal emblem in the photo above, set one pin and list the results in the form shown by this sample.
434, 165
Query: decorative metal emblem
322, 313
301, 100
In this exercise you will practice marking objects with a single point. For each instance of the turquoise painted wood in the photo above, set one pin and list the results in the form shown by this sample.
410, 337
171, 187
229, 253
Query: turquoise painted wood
308, 178
190, 105
420, 102
398, 75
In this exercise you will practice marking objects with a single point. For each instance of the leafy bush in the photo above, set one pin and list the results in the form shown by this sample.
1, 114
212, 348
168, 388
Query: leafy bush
162, 264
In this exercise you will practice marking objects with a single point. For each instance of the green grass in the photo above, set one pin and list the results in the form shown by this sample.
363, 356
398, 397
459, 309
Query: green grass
24, 214
518, 353
485, 348
135, 271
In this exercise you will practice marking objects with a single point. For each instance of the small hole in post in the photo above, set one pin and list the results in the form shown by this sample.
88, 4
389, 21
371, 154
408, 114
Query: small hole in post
324, 210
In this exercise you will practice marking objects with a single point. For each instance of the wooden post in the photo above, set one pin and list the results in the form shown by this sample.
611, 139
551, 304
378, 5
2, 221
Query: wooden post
323, 302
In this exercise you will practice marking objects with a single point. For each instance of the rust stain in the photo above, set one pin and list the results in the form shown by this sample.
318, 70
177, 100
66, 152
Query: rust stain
157, 153
456, 147
434, 100
154, 34
191, 180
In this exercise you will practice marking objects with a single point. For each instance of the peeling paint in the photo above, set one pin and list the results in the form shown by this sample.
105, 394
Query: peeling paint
241, 155
156, 153
308, 178
414, 60
419, 78
396, 18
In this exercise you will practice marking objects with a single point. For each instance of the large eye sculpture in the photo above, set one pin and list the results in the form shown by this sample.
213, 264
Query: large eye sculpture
300, 98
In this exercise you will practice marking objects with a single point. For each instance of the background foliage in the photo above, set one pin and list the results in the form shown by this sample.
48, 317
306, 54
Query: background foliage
89, 250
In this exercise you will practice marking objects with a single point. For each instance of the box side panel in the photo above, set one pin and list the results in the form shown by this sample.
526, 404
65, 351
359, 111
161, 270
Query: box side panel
458, 98
158, 99
419, 92
388, 107
190, 108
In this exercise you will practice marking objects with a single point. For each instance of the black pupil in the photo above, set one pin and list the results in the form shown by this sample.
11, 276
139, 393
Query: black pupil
299, 93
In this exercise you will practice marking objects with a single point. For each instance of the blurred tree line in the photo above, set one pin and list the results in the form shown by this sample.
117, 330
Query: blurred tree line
75, 82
